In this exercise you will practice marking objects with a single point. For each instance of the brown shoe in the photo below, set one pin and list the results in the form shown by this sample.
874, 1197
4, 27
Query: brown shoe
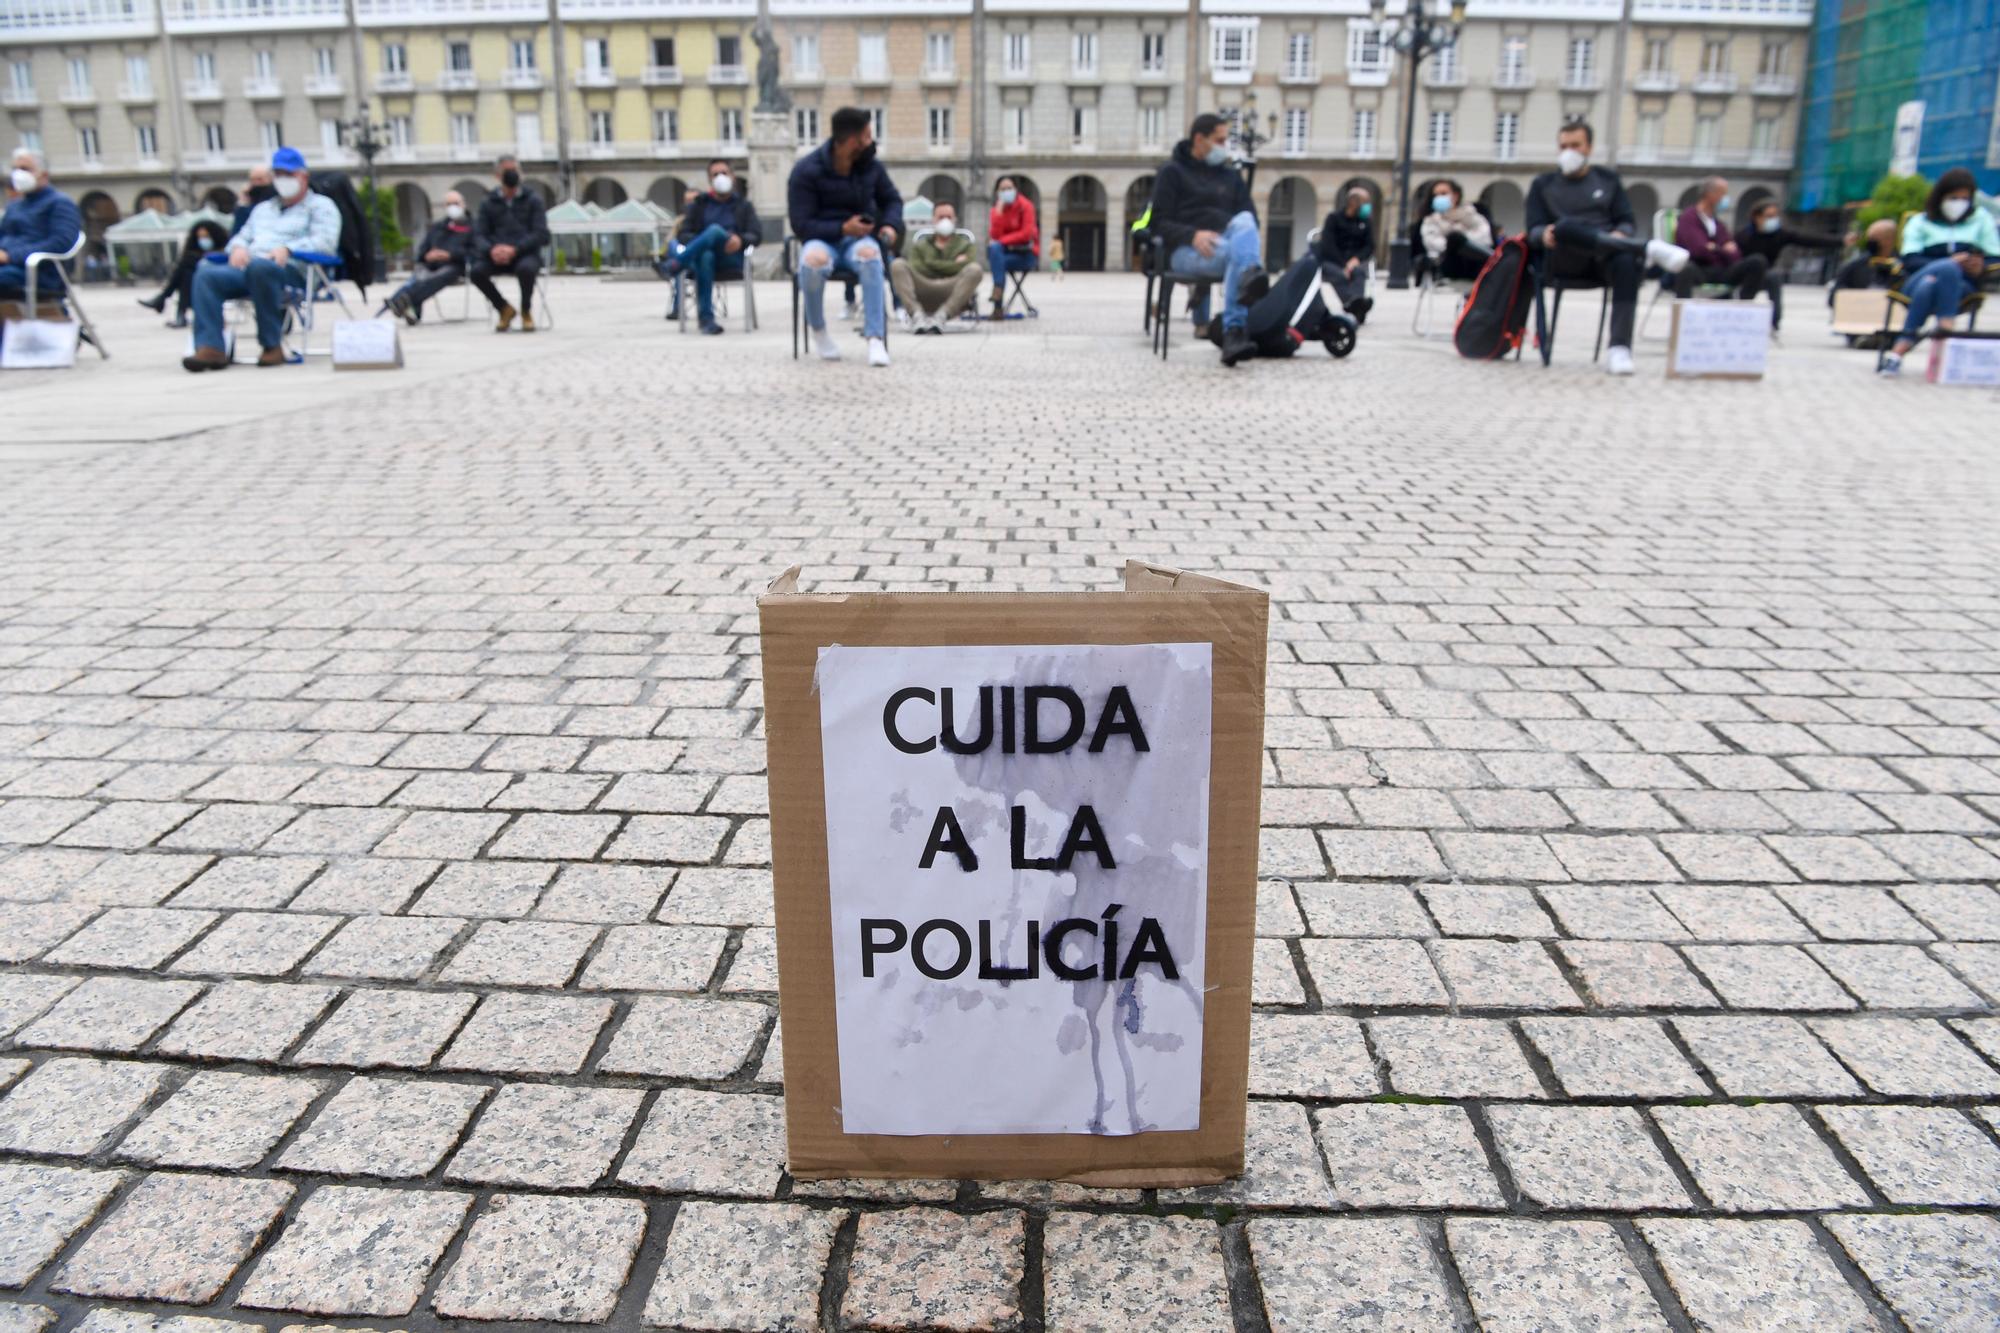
528, 322
999, 308
206, 358
506, 320
272, 356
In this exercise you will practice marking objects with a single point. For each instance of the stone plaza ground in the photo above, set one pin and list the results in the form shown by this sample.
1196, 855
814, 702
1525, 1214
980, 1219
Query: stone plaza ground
385, 901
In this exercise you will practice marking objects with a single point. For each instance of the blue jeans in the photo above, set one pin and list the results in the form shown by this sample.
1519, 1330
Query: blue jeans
861, 255
705, 257
1936, 290
1235, 256
999, 263
263, 282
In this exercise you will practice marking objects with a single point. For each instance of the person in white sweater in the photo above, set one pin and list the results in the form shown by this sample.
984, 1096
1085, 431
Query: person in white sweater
1456, 236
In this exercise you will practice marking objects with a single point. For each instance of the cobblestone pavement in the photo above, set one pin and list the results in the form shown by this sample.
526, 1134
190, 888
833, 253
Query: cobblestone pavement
384, 887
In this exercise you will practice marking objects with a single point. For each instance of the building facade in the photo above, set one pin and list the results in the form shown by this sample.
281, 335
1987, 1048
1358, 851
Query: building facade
147, 103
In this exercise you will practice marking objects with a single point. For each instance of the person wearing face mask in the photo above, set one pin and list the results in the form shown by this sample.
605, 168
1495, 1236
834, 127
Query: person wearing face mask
1765, 236
1713, 255
1947, 250
847, 214
256, 189
203, 238
508, 236
715, 227
938, 276
1202, 211
1456, 236
39, 218
1346, 244
1013, 239
441, 259
1581, 221
260, 264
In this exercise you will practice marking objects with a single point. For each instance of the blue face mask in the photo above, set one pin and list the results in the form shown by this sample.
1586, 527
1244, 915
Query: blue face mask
1722, 204
1218, 156
1367, 210
1006, 198
1440, 203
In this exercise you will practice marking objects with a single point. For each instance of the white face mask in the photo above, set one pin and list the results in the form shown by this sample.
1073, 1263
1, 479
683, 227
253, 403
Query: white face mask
1572, 161
23, 179
945, 227
1006, 198
1769, 224
722, 184
289, 187
1953, 209
454, 211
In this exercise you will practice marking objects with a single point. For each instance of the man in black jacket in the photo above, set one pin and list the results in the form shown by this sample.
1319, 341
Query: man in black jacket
715, 228
441, 258
1202, 211
508, 237
846, 213
1346, 244
1766, 234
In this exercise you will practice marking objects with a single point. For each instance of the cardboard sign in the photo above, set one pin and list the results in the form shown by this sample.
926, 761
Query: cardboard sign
1858, 311
39, 344
1014, 842
1719, 340
1965, 361
367, 344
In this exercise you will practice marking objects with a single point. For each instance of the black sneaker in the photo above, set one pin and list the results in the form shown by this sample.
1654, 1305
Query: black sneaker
1362, 305
1236, 346
710, 327
1255, 283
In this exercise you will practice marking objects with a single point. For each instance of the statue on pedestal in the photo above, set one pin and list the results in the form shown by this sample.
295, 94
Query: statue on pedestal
771, 95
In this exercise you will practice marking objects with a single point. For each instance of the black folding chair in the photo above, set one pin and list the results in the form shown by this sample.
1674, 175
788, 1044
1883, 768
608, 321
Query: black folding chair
1161, 280
793, 249
1546, 318
1018, 292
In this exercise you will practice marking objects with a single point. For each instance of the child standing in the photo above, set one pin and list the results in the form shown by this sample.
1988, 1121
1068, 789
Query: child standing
1056, 259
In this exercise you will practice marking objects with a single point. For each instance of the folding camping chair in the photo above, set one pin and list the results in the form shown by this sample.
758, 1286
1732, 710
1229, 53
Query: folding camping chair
1017, 292
323, 274
63, 293
1663, 226
684, 292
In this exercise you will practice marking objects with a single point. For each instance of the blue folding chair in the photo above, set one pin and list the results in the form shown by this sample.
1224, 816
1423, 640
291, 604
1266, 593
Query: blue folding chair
323, 274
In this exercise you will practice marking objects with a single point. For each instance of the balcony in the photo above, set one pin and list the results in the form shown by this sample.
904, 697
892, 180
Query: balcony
1714, 83
1368, 76
1230, 75
661, 76
596, 77
1437, 76
137, 94
399, 13
1152, 74
1654, 155
394, 81
1017, 74
193, 16
325, 85
1765, 13
728, 76
1514, 78
10, 96
1086, 75
1775, 85
262, 88
598, 150
938, 76
76, 19
1581, 81
868, 76
78, 94
458, 81
1655, 81
201, 90
1305, 74
399, 153
804, 78
1770, 159
522, 80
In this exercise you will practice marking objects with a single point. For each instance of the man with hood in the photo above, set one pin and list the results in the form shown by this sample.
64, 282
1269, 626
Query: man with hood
1346, 244
261, 266
1202, 211
441, 259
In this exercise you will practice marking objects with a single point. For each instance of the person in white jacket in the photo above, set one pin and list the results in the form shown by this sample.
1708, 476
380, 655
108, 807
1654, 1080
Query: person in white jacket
261, 264
1456, 236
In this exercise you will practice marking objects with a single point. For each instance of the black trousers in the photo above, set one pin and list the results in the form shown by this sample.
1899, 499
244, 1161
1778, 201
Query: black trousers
523, 266
1612, 258
1348, 287
180, 282
429, 280
1774, 287
1746, 275
1463, 257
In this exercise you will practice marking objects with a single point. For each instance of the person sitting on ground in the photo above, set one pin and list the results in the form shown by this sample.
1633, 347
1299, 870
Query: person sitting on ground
1013, 239
1456, 236
1580, 219
846, 214
1202, 211
1874, 264
441, 260
1346, 244
1947, 249
203, 238
256, 189
1765, 237
939, 275
40, 219
715, 227
1713, 256
508, 237
261, 264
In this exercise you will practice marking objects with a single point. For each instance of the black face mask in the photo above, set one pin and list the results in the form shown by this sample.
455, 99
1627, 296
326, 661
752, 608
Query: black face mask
259, 193
864, 157
510, 178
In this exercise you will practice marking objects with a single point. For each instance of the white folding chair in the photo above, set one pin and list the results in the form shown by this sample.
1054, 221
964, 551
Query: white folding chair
33, 264
684, 292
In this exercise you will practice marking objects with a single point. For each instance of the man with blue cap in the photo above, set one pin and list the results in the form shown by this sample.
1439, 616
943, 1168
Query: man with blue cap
260, 264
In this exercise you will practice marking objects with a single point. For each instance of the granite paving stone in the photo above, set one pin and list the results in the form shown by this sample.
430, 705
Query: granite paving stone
734, 1265
109, 1014
175, 1238
246, 1020
1487, 909
25, 1318
1496, 974
528, 1034
1928, 1155
1596, 1157
1893, 976
1363, 910
1524, 1276
1908, 1057
520, 953
1751, 1159
1756, 1276
29, 930
718, 897
1936, 1271
69, 1107
1767, 976
1102, 1272
722, 1143
384, 1127
1453, 1057
1337, 1272
604, 893
259, 944
24, 996
354, 1250
220, 1120
239, 882
1399, 1156
485, 889
1618, 974
1765, 1057
1978, 965
132, 937
1613, 1057
1371, 973
385, 948
364, 886
387, 1029
1274, 974
41, 1207
534, 1257
673, 1037
1301, 1055
754, 969
926, 1267
547, 1138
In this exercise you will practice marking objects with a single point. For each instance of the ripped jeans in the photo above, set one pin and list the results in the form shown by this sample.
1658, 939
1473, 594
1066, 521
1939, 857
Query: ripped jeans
861, 255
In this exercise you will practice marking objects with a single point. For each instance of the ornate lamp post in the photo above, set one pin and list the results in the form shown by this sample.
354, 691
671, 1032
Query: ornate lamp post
361, 134
1423, 28
1243, 133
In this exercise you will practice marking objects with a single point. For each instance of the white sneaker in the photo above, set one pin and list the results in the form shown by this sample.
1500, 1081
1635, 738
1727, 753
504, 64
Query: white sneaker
823, 343
1672, 258
903, 318
878, 352
1618, 360
851, 312
1891, 365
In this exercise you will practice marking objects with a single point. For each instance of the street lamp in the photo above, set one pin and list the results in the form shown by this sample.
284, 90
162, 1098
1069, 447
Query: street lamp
1244, 133
361, 132
1416, 33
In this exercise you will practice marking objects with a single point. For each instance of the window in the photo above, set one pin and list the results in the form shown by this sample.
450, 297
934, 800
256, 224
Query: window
1507, 136
1018, 53
1365, 51
1444, 65
20, 78
1083, 53
271, 135
1299, 56
878, 120
329, 136
1772, 59
937, 52
211, 135
1581, 71
805, 126
1298, 128
31, 140
1232, 46
464, 130
1715, 56
599, 127
395, 58
1438, 141
148, 138
1764, 134
263, 64
872, 55
324, 62
805, 54
139, 74
666, 125
1364, 130
1513, 62
400, 137
938, 126
204, 67
1082, 126
729, 49
528, 133
1707, 136
1650, 131
1153, 52
1659, 55
732, 124
79, 75
1152, 126
521, 55
86, 143
1016, 118
597, 55
663, 53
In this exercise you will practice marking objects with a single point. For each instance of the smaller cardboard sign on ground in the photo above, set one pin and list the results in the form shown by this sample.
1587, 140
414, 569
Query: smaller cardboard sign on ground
1859, 311
1962, 360
367, 344
1719, 340
38, 344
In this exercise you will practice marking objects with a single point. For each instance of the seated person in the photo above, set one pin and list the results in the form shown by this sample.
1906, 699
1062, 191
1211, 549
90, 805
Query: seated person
846, 214
40, 219
1581, 221
261, 266
441, 260
1013, 239
257, 188
1874, 265
1947, 249
1202, 212
714, 228
1346, 244
939, 275
1456, 236
1713, 256
1765, 236
508, 236
203, 238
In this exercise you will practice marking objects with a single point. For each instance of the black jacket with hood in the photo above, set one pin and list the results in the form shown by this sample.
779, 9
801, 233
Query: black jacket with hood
1342, 238
1189, 196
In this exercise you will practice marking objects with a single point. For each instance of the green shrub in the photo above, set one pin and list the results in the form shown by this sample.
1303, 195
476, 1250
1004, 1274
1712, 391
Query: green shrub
1893, 197
380, 206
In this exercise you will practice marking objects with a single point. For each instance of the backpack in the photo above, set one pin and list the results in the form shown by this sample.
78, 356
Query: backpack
1293, 311
357, 238
1494, 319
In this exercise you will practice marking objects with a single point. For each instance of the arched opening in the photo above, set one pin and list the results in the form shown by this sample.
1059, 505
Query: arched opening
220, 199
473, 192
1645, 203
546, 191
1293, 213
1689, 195
670, 193
1138, 198
942, 189
154, 198
604, 192
1752, 199
1507, 206
413, 211
1082, 224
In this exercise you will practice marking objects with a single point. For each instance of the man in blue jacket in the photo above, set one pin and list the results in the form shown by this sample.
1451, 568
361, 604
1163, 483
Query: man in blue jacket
846, 213
39, 218
714, 230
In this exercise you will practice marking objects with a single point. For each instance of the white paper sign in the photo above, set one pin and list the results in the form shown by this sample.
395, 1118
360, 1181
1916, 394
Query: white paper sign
1907, 141
987, 856
1967, 361
366, 344
1720, 338
39, 344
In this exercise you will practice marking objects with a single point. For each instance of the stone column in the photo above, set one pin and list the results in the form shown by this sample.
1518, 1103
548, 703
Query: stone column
771, 159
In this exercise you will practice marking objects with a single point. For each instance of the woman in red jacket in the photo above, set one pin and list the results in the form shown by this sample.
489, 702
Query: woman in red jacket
1013, 241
